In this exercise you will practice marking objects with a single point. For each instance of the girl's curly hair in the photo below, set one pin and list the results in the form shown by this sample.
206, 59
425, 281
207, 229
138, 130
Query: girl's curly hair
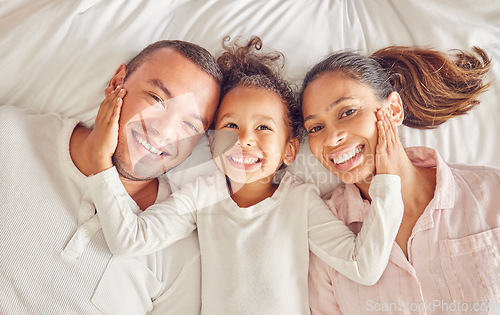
246, 65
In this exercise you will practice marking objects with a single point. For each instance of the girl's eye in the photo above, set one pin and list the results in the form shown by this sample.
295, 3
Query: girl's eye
315, 129
231, 125
263, 127
348, 112
191, 126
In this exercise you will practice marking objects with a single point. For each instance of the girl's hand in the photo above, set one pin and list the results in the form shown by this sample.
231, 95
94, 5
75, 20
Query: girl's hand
106, 131
387, 153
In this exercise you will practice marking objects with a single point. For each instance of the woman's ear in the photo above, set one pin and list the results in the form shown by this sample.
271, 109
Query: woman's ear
395, 107
291, 150
117, 79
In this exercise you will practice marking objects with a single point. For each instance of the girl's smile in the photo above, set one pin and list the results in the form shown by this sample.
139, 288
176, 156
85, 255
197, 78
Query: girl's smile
244, 161
259, 119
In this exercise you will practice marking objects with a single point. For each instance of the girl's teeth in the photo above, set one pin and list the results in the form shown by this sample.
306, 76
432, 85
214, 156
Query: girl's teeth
245, 161
347, 156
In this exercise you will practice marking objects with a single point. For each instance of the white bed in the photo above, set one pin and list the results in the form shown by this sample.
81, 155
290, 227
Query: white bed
58, 55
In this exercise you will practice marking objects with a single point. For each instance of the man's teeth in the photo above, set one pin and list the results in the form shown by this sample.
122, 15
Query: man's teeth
347, 156
244, 160
148, 146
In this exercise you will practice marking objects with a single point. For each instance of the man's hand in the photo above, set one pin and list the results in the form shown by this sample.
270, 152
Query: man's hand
388, 151
106, 130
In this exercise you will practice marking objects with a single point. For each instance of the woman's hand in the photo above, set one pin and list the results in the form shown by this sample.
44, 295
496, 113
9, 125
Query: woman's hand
388, 151
106, 130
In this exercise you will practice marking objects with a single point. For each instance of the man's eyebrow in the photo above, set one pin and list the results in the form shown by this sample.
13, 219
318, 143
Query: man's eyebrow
160, 85
167, 92
332, 105
203, 120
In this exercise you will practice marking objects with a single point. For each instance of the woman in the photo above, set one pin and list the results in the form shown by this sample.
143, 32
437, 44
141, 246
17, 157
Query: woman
446, 257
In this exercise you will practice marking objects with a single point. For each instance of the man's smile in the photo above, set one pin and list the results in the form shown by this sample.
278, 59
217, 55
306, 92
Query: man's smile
147, 144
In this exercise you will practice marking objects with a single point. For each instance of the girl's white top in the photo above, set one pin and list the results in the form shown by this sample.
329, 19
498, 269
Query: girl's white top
255, 260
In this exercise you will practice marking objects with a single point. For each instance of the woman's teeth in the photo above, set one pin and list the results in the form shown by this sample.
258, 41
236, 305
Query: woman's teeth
147, 145
246, 161
347, 156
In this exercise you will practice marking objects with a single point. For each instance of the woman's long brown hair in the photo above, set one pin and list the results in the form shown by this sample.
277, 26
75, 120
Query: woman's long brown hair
434, 86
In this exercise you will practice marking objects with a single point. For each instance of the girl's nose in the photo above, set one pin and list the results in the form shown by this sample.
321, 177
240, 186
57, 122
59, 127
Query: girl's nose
245, 138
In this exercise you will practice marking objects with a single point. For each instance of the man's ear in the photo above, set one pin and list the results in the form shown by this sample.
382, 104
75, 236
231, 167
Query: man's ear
117, 79
292, 149
211, 141
395, 108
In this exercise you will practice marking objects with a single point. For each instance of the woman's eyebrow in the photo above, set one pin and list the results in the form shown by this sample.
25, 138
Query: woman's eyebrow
332, 105
337, 102
309, 118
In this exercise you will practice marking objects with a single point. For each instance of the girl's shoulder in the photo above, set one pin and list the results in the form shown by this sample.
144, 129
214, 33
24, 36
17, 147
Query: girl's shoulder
295, 183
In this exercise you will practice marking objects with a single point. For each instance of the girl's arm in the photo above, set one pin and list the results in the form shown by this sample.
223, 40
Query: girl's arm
363, 258
126, 232
130, 232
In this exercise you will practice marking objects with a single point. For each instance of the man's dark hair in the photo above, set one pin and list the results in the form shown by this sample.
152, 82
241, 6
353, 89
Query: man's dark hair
197, 54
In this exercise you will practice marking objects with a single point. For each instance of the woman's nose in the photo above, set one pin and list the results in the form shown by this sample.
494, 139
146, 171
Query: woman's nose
335, 136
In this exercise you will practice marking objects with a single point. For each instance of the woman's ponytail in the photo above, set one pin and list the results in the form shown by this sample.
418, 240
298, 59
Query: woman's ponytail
434, 86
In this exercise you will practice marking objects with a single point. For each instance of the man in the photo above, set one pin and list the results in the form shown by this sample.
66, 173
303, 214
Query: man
54, 256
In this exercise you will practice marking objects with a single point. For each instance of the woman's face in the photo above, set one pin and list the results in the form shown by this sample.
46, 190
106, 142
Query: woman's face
340, 120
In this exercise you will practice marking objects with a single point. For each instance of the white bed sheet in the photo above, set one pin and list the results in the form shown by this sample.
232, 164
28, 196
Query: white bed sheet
58, 55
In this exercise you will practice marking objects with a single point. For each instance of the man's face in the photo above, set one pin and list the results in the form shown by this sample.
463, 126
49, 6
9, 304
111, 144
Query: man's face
169, 104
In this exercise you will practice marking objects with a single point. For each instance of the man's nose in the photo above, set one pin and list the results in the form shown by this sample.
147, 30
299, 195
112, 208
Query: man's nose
166, 127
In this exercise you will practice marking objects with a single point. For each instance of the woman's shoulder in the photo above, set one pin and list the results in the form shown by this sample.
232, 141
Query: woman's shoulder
469, 168
473, 175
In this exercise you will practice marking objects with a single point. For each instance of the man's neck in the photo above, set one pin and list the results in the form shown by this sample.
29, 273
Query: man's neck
144, 193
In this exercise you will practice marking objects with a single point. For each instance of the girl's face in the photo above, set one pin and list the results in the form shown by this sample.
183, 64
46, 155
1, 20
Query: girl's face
339, 115
251, 127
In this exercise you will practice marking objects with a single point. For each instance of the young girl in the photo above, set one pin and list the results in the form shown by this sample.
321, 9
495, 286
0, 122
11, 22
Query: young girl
254, 234
445, 256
